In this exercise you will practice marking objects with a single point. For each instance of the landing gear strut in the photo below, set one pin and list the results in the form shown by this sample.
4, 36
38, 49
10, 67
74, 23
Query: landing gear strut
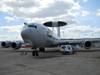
35, 52
42, 49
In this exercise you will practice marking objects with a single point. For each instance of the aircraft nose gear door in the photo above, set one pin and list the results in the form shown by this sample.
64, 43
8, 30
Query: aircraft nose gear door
67, 49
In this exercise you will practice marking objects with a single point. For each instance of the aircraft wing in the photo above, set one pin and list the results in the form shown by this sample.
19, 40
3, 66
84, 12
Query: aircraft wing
85, 43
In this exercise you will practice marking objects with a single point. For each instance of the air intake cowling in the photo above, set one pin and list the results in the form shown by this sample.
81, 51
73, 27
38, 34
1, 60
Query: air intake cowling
87, 44
16, 45
6, 44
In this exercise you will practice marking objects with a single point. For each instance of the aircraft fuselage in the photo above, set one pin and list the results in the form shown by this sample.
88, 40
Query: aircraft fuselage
38, 36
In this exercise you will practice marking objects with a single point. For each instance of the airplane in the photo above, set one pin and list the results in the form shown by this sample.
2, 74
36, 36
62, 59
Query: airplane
40, 36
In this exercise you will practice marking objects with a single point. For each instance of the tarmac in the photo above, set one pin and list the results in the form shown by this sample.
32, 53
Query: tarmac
52, 63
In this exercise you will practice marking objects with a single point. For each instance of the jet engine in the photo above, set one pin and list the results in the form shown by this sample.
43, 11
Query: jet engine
16, 45
67, 49
6, 44
87, 44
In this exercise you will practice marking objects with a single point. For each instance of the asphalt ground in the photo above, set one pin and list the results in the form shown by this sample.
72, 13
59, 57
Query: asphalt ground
51, 63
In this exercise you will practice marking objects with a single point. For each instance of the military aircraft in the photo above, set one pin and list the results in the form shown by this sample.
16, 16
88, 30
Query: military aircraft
36, 35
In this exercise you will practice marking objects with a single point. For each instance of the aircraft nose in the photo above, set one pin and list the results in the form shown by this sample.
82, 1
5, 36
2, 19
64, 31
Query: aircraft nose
24, 34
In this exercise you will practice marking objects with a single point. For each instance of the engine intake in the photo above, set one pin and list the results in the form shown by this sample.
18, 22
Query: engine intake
6, 44
16, 45
87, 44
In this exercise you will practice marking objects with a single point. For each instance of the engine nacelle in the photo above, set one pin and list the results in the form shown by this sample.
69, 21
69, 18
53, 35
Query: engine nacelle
87, 44
6, 44
67, 49
16, 45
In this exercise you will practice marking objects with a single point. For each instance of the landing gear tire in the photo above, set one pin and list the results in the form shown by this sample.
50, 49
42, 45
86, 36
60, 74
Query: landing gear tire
73, 52
42, 49
66, 53
35, 53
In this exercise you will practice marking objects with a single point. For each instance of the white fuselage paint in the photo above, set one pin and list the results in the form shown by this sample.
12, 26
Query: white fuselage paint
39, 36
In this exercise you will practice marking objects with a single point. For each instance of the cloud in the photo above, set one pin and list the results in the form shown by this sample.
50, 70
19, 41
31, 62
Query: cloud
21, 8
84, 13
85, 0
10, 32
38, 9
56, 9
98, 12
75, 10
11, 29
10, 38
80, 31
67, 18
8, 18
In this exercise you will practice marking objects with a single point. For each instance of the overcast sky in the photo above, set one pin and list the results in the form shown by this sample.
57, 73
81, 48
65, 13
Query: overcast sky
82, 16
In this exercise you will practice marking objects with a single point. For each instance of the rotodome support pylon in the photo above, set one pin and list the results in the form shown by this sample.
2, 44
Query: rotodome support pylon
57, 24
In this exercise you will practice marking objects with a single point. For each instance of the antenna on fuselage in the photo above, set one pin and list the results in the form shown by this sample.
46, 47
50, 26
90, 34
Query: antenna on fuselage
57, 24
25, 23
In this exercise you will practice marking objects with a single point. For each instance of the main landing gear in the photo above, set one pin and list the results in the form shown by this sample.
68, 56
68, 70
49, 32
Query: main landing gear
35, 52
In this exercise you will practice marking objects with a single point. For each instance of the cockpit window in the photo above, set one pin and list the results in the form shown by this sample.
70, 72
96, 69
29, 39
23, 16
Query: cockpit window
32, 25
